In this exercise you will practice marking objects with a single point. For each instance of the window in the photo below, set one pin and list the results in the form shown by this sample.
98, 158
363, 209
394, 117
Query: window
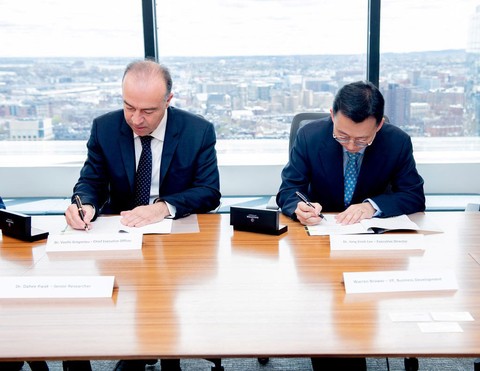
246, 65
60, 66
430, 54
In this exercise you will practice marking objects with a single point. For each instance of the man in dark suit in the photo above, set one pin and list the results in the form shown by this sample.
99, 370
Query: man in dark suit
387, 182
182, 178
185, 175
381, 180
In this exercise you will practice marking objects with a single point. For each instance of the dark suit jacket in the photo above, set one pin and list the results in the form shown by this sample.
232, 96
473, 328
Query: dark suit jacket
388, 174
189, 177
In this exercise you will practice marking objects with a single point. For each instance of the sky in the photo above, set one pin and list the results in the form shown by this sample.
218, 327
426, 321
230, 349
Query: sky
228, 27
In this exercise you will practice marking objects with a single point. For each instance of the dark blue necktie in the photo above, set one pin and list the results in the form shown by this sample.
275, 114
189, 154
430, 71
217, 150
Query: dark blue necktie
143, 177
350, 177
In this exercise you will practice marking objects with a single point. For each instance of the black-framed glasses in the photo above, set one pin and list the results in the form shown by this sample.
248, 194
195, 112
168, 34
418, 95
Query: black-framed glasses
360, 143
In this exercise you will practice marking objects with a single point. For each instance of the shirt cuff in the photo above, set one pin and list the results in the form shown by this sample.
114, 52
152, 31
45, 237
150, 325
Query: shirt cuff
378, 211
171, 209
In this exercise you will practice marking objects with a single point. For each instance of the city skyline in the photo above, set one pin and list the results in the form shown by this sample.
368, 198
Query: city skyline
54, 28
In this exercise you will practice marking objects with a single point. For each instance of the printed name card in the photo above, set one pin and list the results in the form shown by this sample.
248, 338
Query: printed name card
94, 242
396, 281
56, 287
377, 242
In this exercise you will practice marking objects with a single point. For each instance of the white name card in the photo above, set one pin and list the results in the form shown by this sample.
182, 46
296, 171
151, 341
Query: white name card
377, 242
395, 281
56, 287
94, 242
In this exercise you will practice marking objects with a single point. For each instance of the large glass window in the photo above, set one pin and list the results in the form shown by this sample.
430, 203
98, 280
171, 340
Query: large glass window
429, 74
249, 66
60, 66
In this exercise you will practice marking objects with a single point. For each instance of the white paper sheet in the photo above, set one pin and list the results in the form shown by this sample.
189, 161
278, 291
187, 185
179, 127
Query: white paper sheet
112, 224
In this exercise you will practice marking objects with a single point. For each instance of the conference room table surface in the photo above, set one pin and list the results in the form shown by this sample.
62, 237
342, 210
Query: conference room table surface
224, 293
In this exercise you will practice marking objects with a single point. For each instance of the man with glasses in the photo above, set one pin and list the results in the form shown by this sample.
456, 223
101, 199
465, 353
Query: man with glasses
355, 164
352, 163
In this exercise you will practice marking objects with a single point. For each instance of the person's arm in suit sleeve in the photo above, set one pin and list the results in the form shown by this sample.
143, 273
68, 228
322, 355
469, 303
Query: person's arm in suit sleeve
406, 194
203, 194
295, 177
92, 186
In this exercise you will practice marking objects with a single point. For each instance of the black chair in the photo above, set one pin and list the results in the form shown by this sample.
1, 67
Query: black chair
301, 119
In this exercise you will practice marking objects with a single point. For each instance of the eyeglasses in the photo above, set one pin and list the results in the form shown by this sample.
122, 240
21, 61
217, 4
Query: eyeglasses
360, 143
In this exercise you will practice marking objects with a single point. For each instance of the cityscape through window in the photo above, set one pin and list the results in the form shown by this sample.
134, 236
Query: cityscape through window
247, 66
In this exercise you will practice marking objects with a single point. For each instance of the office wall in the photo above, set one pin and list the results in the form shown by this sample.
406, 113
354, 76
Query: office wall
241, 180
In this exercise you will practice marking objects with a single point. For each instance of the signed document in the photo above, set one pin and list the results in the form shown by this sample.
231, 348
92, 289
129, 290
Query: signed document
112, 224
374, 225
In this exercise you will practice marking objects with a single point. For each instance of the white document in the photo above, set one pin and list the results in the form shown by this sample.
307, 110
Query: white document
56, 287
102, 225
112, 224
87, 241
331, 227
396, 281
377, 242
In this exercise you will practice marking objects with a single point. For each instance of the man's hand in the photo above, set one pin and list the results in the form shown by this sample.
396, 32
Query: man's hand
73, 217
144, 215
308, 215
355, 213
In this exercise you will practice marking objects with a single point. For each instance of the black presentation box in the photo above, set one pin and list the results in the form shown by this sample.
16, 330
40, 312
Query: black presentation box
256, 220
19, 226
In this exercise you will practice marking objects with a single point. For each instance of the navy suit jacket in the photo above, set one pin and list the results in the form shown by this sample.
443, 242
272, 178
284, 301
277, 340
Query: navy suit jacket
189, 178
388, 173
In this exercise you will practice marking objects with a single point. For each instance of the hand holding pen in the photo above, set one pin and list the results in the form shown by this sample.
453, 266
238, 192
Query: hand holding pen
81, 211
304, 199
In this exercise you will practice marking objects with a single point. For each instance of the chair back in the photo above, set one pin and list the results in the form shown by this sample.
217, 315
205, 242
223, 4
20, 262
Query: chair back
301, 119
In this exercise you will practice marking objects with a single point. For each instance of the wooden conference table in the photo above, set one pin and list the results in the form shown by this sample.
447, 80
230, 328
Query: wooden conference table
220, 293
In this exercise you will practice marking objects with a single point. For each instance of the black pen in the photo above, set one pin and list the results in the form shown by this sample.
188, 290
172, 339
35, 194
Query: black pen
80, 211
304, 199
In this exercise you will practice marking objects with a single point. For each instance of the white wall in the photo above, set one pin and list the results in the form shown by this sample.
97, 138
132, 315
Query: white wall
235, 180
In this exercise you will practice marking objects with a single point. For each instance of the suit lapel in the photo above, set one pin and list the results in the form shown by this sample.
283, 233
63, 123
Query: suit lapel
172, 136
127, 152
331, 159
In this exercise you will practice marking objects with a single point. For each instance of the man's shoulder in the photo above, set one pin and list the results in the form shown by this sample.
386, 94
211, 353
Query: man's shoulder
319, 127
187, 117
112, 116
392, 130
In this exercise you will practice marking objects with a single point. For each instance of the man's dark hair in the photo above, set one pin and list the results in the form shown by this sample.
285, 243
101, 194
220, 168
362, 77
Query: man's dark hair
359, 101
